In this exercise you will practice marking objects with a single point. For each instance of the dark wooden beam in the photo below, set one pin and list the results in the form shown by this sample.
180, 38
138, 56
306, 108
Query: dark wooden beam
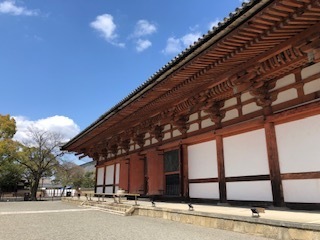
274, 167
203, 180
185, 174
221, 170
248, 178
302, 175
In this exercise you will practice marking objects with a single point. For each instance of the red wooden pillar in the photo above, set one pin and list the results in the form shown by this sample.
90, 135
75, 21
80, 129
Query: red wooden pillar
274, 166
221, 171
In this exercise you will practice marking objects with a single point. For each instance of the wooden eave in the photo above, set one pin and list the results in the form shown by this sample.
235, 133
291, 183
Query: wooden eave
258, 31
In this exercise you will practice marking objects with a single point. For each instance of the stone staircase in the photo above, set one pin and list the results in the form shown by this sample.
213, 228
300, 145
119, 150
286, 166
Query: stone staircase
112, 208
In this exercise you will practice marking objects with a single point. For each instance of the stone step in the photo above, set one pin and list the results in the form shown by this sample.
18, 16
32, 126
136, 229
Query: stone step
122, 210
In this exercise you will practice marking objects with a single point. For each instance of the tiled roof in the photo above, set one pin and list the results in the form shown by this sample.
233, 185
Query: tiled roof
240, 11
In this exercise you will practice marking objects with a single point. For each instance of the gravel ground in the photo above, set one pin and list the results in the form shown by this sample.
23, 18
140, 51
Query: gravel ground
58, 220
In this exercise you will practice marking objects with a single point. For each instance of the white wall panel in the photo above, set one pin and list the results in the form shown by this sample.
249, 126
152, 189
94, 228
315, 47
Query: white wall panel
176, 133
117, 173
286, 96
230, 102
231, 114
249, 191
100, 175
202, 160
204, 190
109, 174
311, 70
99, 190
193, 127
311, 87
285, 81
246, 96
298, 145
206, 123
108, 190
251, 107
193, 117
301, 190
246, 154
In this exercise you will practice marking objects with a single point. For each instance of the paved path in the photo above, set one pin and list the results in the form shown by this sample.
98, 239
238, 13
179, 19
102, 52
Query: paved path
58, 220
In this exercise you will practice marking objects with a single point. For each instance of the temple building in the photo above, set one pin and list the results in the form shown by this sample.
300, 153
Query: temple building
234, 118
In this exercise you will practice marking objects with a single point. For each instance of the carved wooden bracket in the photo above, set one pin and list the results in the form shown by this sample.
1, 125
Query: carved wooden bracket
125, 145
114, 149
138, 139
261, 92
156, 132
215, 113
312, 48
180, 121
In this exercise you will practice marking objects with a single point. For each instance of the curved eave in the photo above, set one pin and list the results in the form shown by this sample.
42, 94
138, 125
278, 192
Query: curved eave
233, 21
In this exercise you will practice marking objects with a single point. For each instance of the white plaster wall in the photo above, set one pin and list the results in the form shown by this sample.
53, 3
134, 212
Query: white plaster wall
193, 127
204, 190
230, 102
299, 145
193, 117
286, 96
99, 190
167, 127
249, 191
108, 190
285, 81
147, 142
166, 136
202, 160
231, 115
131, 147
246, 96
249, 108
100, 175
116, 188
203, 113
117, 173
311, 70
176, 133
109, 174
246, 154
206, 123
312, 86
301, 190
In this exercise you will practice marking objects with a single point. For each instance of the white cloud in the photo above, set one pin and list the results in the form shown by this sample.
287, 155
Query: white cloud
190, 38
176, 45
143, 45
10, 7
58, 124
214, 23
143, 28
173, 46
107, 28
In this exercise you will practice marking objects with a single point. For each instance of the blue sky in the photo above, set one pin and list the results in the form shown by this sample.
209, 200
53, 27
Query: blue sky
65, 63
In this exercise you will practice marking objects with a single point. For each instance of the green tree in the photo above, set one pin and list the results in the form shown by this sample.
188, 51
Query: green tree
39, 156
69, 174
10, 175
8, 147
88, 180
10, 171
